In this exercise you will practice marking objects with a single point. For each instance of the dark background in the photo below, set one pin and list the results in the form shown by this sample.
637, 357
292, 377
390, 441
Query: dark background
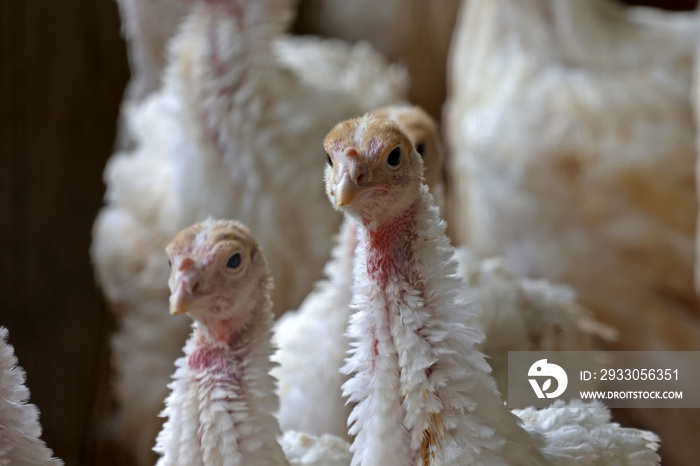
63, 72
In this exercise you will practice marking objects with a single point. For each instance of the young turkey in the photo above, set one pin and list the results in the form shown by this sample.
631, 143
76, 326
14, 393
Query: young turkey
221, 407
422, 392
312, 341
232, 133
572, 152
517, 314
20, 431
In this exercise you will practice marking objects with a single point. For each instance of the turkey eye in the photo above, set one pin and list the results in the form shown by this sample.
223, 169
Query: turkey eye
420, 147
394, 157
234, 261
328, 159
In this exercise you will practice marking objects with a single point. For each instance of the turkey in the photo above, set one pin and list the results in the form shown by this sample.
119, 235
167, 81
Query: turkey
517, 314
20, 431
311, 341
221, 407
572, 151
422, 392
234, 132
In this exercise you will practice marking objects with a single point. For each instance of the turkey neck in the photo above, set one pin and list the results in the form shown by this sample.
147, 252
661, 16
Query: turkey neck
232, 370
375, 360
223, 345
419, 385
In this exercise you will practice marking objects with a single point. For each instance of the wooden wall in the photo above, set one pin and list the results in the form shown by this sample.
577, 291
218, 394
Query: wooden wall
63, 70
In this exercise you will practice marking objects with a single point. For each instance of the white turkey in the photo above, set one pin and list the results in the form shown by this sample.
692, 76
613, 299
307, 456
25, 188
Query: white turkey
312, 341
572, 142
422, 392
20, 431
516, 314
234, 132
220, 411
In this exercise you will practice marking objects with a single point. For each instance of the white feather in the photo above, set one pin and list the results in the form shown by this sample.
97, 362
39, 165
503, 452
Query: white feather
313, 345
428, 325
223, 415
20, 431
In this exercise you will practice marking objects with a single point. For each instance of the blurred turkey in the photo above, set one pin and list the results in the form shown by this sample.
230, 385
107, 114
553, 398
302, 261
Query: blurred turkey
572, 137
413, 32
220, 411
20, 431
517, 314
234, 132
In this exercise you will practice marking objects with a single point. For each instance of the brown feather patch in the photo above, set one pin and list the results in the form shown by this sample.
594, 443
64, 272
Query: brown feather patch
431, 437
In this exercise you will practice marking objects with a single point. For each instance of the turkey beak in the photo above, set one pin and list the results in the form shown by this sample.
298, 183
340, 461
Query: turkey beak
350, 185
180, 301
346, 191
183, 297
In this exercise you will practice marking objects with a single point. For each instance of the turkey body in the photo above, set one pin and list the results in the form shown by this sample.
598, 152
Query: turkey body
558, 152
571, 137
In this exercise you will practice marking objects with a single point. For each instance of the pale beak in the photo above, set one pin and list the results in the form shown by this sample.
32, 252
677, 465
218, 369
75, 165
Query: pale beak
185, 294
347, 190
180, 301
352, 182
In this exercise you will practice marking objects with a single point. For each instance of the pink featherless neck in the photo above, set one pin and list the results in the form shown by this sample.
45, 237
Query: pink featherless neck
208, 357
389, 247
216, 341
212, 352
